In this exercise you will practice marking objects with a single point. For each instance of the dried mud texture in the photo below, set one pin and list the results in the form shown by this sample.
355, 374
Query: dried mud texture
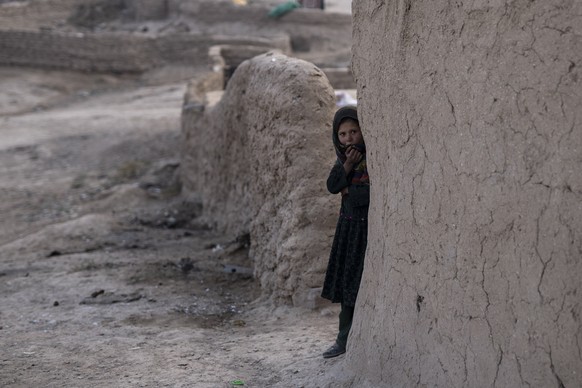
259, 160
471, 111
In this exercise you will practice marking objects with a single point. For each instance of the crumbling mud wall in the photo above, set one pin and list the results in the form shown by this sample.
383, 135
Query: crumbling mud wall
50, 14
226, 58
472, 115
258, 160
115, 52
29, 15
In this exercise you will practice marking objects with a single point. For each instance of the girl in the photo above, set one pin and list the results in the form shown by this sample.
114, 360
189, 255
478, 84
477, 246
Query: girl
349, 176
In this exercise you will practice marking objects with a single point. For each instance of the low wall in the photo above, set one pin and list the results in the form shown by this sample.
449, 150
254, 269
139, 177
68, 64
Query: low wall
30, 15
226, 58
259, 160
114, 52
340, 78
140, 10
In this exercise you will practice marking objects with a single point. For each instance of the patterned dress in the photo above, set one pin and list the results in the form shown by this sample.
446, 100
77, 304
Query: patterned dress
346, 260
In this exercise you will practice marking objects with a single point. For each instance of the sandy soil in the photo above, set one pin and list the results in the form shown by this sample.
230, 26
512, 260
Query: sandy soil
107, 278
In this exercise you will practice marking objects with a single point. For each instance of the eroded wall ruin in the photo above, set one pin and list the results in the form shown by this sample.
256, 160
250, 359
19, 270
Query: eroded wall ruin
258, 160
116, 52
471, 113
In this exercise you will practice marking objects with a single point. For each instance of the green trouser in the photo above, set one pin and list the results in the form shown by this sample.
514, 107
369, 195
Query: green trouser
345, 324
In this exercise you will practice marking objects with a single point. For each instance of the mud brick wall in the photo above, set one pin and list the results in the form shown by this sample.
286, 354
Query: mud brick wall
139, 10
32, 14
226, 58
259, 160
104, 53
193, 49
472, 115
113, 52
29, 14
340, 78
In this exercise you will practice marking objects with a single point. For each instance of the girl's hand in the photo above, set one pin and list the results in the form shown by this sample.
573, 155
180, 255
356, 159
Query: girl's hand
353, 156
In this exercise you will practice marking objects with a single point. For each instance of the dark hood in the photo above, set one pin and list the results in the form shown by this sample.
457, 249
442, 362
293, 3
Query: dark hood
346, 112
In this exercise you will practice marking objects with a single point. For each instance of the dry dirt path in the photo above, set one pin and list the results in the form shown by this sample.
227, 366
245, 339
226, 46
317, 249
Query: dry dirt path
105, 280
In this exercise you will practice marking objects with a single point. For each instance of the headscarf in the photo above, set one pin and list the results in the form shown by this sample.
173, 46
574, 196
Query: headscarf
359, 174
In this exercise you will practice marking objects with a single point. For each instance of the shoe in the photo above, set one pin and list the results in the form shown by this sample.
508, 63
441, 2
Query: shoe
334, 351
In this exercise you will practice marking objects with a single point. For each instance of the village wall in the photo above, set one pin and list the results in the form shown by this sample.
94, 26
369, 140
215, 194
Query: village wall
471, 114
117, 53
258, 160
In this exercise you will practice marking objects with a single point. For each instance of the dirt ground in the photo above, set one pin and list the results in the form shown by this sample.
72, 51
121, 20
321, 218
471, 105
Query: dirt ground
107, 277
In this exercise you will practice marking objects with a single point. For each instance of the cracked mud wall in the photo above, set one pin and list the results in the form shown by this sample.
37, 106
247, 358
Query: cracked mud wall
117, 53
472, 114
258, 160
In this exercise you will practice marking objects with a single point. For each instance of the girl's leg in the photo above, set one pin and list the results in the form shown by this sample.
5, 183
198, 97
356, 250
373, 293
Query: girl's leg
345, 324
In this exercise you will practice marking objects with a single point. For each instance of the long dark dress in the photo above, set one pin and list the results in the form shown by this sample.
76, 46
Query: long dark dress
346, 260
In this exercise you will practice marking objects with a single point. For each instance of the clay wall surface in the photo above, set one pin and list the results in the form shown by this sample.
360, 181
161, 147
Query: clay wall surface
226, 58
259, 159
110, 52
30, 15
33, 15
340, 78
146, 9
77, 51
471, 113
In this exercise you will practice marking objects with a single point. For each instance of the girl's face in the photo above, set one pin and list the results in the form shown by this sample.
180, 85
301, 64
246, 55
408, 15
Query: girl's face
349, 133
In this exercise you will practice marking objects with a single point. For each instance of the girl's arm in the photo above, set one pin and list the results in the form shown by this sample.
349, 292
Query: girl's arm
337, 179
353, 157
